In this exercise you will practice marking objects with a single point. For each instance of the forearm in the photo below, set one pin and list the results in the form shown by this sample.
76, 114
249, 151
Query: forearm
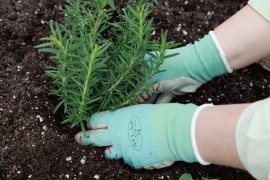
215, 134
244, 38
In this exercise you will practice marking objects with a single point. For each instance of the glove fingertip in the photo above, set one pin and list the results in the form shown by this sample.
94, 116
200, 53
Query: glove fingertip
111, 154
81, 139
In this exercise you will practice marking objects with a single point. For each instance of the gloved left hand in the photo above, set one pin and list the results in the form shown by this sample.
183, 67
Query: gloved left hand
145, 136
186, 69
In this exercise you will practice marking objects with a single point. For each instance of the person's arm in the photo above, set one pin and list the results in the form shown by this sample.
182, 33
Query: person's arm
215, 134
154, 136
244, 38
236, 136
240, 41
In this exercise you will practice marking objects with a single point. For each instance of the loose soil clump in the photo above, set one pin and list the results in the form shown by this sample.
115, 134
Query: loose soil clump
33, 142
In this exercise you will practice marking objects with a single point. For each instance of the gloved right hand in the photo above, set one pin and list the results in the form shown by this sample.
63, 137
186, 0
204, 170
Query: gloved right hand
183, 73
147, 135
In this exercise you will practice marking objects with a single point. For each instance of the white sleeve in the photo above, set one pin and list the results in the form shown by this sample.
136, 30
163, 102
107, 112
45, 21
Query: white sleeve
253, 139
262, 7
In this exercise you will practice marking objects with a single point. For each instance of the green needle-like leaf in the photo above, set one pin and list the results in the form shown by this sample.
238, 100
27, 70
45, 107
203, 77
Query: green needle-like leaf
98, 59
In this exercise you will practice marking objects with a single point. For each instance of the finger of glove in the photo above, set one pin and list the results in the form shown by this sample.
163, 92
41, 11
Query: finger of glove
150, 95
94, 137
152, 99
144, 94
111, 153
99, 120
159, 165
164, 98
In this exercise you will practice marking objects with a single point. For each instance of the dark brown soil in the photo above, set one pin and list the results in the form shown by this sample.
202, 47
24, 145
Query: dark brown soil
33, 142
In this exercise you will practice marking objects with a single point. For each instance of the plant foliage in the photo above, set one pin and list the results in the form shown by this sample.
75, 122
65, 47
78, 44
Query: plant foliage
99, 56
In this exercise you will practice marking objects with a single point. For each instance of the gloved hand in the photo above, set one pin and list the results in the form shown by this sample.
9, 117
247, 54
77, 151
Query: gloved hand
145, 136
193, 65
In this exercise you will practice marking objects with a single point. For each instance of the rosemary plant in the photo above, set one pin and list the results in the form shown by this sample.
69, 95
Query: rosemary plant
99, 57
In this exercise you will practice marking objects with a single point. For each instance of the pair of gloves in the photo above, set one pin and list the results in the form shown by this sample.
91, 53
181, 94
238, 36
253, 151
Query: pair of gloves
156, 135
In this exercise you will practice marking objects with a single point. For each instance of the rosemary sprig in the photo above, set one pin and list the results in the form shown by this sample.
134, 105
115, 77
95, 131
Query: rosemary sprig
98, 59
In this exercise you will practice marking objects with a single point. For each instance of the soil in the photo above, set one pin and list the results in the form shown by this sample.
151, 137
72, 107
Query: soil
34, 145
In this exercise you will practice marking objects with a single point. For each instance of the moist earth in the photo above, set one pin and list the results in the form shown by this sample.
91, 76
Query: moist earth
34, 145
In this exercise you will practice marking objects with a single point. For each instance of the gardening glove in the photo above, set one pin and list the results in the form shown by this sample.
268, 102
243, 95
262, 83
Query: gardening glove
145, 136
192, 66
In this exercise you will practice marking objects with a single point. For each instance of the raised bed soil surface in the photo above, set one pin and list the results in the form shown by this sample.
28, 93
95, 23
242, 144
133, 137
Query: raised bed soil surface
34, 145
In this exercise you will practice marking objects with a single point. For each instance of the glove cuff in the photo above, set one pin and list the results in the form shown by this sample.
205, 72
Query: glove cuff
221, 52
193, 137
209, 59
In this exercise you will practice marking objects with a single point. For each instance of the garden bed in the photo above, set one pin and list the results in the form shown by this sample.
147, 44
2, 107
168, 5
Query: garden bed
33, 142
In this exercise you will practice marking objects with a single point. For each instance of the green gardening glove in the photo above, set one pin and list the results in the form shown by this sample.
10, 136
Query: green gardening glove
192, 66
145, 136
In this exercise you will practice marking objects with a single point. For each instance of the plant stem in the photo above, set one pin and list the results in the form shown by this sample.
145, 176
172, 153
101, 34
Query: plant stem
122, 76
87, 78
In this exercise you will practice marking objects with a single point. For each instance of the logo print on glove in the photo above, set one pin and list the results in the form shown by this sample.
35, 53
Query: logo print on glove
135, 133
